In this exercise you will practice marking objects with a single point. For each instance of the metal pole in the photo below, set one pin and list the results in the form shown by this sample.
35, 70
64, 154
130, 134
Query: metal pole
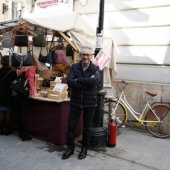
98, 117
99, 133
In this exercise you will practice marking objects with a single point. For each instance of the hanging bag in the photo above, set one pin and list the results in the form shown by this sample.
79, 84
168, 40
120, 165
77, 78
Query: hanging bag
60, 56
69, 50
40, 39
21, 38
18, 61
63, 68
59, 53
42, 58
8, 40
50, 58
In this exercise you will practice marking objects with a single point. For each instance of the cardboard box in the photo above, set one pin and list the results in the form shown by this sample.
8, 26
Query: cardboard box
62, 95
53, 83
39, 85
51, 87
43, 94
60, 87
54, 97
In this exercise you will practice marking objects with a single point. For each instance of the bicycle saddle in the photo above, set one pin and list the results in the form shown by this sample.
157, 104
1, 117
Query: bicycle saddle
151, 94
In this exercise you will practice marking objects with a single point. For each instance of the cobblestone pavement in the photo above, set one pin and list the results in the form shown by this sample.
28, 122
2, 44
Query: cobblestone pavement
135, 150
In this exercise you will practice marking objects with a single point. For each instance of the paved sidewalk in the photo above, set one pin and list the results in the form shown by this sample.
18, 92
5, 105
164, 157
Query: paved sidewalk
135, 150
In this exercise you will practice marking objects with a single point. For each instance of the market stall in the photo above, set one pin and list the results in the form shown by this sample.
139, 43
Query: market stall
48, 113
49, 109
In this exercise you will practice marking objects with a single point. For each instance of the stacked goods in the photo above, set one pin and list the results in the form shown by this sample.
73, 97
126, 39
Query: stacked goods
58, 92
43, 93
55, 95
52, 84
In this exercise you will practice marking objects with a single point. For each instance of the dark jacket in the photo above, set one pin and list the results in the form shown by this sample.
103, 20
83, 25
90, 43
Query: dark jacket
83, 86
5, 85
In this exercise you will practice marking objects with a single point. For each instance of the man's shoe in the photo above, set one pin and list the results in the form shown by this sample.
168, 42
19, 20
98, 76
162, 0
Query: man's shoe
82, 153
67, 154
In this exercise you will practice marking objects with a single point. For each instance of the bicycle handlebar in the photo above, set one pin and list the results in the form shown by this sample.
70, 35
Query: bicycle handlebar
123, 85
124, 82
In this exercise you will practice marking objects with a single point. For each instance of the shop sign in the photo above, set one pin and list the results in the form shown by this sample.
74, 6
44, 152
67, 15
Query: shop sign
51, 7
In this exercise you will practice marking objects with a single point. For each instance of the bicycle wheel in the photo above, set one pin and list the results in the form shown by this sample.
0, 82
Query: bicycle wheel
119, 115
159, 129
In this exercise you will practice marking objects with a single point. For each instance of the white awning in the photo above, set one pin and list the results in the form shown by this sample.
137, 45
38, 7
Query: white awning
80, 30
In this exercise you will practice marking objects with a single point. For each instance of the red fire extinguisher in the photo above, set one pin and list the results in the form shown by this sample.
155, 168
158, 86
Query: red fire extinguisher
112, 130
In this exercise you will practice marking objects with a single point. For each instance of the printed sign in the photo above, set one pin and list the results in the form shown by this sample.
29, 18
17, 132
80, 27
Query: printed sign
51, 7
101, 59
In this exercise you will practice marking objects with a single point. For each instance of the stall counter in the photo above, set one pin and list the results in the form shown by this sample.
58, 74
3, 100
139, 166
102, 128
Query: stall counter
48, 120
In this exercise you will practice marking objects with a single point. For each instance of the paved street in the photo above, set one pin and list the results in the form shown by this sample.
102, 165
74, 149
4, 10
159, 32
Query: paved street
135, 150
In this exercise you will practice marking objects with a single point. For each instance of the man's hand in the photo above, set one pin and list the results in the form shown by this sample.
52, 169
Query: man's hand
92, 76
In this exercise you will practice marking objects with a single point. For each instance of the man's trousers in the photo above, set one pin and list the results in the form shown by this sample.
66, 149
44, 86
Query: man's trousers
73, 119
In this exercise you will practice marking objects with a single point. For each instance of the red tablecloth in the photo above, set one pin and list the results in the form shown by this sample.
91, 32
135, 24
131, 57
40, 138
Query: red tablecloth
48, 121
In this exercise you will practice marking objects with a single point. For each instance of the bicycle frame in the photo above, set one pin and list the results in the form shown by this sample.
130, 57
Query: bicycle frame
122, 99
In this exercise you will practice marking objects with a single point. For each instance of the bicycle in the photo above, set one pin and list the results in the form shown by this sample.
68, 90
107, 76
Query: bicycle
155, 116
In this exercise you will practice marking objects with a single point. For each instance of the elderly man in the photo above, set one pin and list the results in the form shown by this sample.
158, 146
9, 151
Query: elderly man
82, 79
